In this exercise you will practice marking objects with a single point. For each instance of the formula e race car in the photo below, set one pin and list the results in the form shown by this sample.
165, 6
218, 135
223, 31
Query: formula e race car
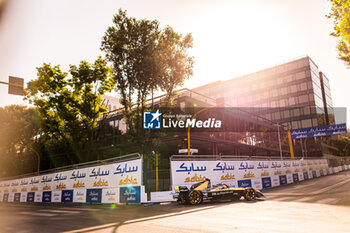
203, 191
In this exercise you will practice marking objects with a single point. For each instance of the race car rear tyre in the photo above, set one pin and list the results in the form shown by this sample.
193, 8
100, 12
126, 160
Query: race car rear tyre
250, 195
195, 197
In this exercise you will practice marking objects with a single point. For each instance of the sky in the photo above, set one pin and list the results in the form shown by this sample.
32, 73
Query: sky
231, 38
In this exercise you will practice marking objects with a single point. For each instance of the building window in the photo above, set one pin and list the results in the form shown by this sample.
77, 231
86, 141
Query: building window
286, 114
293, 88
303, 98
274, 93
303, 86
300, 75
296, 112
292, 101
277, 115
306, 123
307, 110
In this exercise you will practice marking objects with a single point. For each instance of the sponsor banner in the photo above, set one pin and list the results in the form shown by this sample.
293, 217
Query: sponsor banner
93, 195
329, 171
275, 181
314, 175
187, 173
24, 197
67, 196
110, 195
34, 184
319, 131
318, 173
46, 182
17, 197
295, 177
30, 196
310, 176
306, 175
79, 195
256, 183
266, 182
322, 172
162, 196
130, 194
47, 196
11, 197
276, 168
1, 196
283, 179
127, 173
38, 197
301, 176
106, 176
5, 197
245, 183
56, 196
289, 178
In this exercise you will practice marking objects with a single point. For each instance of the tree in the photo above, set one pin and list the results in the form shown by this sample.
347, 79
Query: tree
176, 63
341, 17
70, 104
18, 130
144, 59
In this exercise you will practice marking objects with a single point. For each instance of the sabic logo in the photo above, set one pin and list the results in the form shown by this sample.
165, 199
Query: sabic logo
151, 120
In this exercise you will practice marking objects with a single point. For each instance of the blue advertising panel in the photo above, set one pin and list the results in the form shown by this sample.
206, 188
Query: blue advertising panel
266, 182
30, 196
46, 196
321, 172
314, 175
17, 197
283, 179
319, 131
5, 197
306, 175
93, 195
130, 194
67, 196
245, 183
295, 177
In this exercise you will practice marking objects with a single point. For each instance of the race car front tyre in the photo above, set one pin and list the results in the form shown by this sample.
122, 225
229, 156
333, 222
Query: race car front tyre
195, 197
250, 195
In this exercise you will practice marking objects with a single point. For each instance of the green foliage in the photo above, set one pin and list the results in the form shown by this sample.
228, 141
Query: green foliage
145, 59
175, 61
341, 17
70, 104
18, 130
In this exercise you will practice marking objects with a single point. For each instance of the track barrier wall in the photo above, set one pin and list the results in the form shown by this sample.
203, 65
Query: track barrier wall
258, 174
117, 182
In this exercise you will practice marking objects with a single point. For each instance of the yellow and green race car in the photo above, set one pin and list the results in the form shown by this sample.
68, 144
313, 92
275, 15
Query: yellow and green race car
203, 191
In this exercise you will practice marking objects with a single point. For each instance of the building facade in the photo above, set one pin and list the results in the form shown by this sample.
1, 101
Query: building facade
295, 94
